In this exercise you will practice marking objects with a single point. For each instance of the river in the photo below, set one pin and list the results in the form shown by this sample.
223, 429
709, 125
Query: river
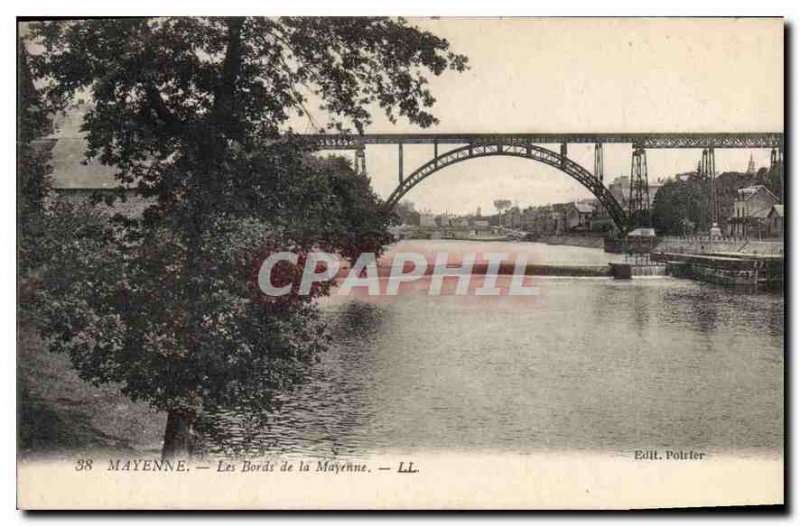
584, 364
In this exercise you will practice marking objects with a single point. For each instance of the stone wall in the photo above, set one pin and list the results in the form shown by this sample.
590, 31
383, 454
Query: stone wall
706, 245
574, 241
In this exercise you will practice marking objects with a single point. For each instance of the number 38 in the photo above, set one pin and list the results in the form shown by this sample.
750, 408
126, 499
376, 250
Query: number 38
83, 464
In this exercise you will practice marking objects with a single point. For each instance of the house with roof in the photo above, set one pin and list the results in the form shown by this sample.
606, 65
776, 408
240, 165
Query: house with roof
578, 216
76, 181
750, 210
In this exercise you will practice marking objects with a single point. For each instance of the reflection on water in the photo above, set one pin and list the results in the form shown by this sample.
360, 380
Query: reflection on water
585, 364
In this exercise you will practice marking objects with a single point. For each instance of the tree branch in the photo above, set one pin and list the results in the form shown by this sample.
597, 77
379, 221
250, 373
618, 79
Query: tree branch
156, 103
224, 100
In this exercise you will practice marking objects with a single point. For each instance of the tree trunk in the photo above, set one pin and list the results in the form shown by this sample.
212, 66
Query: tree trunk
176, 437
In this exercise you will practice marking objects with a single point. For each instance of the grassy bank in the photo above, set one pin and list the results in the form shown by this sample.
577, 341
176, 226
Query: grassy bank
60, 415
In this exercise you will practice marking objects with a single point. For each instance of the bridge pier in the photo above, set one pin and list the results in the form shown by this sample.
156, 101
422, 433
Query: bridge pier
360, 164
707, 163
708, 170
563, 154
400, 162
776, 159
598, 161
639, 194
776, 164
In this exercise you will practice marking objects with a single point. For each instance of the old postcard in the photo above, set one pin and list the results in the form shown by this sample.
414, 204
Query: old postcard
385, 263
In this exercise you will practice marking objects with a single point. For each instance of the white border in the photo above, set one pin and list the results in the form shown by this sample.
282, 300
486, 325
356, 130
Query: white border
786, 8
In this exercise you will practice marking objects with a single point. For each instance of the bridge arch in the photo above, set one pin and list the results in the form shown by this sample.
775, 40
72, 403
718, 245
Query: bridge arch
512, 148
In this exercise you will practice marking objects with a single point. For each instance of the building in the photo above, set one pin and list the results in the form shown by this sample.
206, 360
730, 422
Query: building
512, 218
775, 221
578, 216
750, 210
620, 188
427, 220
459, 222
559, 216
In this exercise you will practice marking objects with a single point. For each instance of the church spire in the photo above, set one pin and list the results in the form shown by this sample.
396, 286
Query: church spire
751, 166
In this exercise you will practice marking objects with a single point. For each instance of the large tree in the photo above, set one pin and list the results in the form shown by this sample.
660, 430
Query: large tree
194, 113
684, 206
406, 213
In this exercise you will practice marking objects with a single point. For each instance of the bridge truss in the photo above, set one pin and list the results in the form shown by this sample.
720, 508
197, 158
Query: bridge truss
527, 145
637, 140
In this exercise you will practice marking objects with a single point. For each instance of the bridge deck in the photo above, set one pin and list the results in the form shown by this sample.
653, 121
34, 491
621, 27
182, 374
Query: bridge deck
643, 140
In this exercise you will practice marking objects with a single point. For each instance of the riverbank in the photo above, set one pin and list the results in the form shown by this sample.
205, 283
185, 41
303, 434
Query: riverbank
59, 414
724, 261
750, 271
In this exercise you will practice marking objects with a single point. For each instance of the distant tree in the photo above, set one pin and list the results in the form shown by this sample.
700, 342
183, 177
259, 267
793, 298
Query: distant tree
353, 220
501, 205
772, 178
682, 204
514, 216
192, 113
406, 213
679, 201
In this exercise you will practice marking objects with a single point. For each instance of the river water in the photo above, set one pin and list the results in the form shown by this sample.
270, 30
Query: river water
584, 364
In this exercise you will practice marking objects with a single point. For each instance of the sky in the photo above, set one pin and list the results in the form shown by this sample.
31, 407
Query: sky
588, 75
580, 75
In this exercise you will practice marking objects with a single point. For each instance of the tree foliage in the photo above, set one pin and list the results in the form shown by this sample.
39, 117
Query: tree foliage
33, 170
193, 113
501, 204
684, 206
406, 213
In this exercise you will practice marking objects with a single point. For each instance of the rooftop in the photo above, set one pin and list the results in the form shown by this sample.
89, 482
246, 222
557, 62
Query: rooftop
584, 208
749, 191
777, 209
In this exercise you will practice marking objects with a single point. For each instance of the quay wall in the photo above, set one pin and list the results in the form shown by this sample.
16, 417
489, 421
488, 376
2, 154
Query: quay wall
707, 245
504, 269
574, 241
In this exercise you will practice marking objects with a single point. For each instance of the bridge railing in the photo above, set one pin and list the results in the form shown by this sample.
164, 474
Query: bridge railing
653, 140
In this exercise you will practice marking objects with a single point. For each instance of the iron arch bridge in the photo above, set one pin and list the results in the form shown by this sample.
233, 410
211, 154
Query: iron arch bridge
527, 146
510, 149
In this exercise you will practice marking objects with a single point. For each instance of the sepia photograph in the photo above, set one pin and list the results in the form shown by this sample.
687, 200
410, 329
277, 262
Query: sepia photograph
386, 263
